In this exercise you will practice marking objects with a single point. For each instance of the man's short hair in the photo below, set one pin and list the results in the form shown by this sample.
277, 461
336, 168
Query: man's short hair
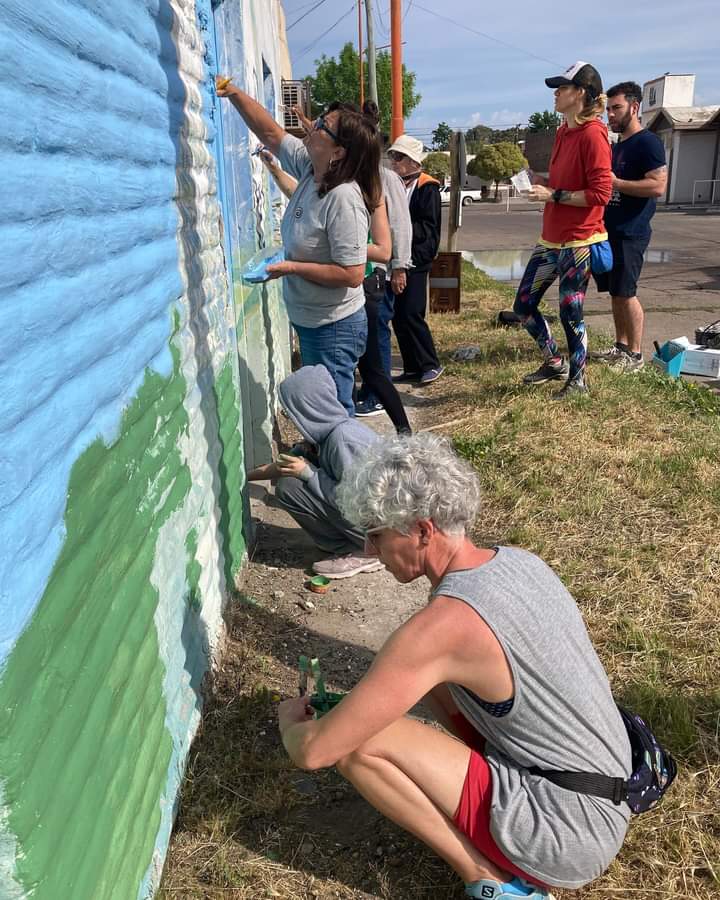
630, 89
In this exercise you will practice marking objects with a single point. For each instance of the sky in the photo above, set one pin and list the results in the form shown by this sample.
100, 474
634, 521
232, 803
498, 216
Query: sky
488, 65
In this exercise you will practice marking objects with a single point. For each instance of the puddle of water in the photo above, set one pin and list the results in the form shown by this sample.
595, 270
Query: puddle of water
502, 265
659, 256
509, 265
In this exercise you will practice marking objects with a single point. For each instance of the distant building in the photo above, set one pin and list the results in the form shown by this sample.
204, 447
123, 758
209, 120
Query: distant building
690, 134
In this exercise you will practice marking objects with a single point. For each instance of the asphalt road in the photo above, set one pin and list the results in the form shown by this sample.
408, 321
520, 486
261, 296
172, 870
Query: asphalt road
679, 287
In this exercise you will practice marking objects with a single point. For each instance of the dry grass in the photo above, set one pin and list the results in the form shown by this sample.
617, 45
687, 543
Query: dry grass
621, 495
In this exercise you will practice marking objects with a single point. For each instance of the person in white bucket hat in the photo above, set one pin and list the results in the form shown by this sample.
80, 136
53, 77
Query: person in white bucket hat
417, 348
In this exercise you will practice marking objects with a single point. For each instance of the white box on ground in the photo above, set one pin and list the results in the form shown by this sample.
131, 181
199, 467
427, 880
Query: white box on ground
698, 360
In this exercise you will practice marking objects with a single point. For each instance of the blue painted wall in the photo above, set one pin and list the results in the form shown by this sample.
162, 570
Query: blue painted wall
137, 379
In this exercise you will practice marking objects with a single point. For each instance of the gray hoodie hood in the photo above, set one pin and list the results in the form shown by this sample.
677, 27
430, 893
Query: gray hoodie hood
310, 399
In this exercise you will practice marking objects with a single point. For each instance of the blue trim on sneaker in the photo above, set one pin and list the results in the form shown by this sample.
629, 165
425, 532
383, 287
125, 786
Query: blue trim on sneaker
485, 889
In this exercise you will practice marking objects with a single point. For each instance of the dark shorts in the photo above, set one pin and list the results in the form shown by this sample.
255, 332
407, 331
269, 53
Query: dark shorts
622, 280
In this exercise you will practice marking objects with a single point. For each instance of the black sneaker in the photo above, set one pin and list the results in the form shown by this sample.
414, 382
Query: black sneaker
366, 408
406, 378
573, 387
548, 371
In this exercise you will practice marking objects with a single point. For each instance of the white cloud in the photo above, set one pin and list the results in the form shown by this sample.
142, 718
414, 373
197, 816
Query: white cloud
504, 118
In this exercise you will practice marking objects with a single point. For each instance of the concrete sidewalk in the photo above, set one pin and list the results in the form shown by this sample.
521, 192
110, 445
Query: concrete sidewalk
679, 287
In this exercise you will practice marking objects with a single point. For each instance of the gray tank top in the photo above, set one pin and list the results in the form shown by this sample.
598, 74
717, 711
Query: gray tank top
563, 717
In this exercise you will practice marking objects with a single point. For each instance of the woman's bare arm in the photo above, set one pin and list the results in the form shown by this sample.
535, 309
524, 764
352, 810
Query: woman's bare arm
256, 117
380, 250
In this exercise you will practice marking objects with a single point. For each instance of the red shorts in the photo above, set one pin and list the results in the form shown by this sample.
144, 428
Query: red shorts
473, 812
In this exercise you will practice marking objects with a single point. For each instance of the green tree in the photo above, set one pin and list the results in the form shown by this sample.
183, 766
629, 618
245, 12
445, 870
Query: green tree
544, 121
339, 79
437, 164
441, 136
497, 162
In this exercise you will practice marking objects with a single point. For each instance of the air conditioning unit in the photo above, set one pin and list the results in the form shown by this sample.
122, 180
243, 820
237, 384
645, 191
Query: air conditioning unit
294, 93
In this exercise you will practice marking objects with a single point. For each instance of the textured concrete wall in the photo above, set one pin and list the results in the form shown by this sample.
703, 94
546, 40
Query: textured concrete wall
123, 399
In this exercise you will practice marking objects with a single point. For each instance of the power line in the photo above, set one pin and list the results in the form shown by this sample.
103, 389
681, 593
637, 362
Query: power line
318, 39
381, 23
320, 3
488, 37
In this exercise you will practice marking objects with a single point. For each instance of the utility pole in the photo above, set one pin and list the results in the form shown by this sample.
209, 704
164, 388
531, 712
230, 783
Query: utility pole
455, 211
397, 126
372, 73
360, 54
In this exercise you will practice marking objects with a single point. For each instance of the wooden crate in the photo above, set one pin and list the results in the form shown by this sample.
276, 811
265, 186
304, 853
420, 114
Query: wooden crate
445, 282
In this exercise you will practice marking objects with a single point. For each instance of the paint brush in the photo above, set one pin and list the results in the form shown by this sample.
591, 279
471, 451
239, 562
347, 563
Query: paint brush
222, 83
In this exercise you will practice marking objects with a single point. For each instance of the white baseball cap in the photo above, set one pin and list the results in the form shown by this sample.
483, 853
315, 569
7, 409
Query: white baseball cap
410, 146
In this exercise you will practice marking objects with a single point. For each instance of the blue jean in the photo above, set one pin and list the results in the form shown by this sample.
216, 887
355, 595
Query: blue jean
385, 311
338, 346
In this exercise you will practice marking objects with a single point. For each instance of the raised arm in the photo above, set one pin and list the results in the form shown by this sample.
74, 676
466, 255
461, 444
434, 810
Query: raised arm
285, 182
256, 117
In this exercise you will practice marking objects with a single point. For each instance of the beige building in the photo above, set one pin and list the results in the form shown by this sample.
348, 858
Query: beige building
691, 136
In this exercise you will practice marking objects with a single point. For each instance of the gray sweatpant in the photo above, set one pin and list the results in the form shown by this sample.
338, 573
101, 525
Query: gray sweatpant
320, 519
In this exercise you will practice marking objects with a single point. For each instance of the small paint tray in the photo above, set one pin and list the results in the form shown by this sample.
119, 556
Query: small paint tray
670, 359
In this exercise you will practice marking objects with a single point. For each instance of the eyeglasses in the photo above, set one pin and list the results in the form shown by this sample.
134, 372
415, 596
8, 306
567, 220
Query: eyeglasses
319, 125
396, 156
369, 536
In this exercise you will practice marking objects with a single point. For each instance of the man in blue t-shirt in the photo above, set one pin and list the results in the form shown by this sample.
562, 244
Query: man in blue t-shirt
639, 176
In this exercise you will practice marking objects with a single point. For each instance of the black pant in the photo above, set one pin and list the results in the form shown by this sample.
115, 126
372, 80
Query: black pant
411, 330
370, 364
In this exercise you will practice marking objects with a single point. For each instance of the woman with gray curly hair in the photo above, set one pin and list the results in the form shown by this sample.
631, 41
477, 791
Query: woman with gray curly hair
501, 656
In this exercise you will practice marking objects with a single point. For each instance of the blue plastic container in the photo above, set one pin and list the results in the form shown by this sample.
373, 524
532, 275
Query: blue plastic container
670, 359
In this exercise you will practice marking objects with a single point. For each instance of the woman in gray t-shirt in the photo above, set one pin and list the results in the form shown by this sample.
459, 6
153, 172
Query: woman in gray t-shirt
502, 657
324, 231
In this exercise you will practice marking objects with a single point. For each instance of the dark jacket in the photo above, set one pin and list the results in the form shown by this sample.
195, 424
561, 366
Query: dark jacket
425, 214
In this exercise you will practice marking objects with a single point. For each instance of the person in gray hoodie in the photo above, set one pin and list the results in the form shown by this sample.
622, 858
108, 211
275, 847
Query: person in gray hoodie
305, 488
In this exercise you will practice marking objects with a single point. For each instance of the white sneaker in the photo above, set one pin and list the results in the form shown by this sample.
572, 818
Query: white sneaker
347, 566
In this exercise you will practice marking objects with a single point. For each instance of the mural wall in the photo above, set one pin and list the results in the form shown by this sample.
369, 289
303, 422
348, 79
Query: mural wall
136, 374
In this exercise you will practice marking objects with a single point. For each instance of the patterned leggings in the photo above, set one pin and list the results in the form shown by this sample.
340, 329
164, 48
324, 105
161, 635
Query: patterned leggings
572, 264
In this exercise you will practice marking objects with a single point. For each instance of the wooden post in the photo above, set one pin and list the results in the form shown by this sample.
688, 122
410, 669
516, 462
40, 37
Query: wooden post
397, 126
455, 194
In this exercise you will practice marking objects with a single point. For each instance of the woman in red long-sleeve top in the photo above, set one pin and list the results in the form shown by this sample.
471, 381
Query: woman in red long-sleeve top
577, 189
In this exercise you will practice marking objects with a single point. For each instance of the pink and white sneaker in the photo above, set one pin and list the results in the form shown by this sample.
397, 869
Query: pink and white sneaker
347, 566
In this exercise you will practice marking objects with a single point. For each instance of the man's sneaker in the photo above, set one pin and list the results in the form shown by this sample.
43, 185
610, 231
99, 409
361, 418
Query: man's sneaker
485, 889
366, 408
548, 371
626, 362
607, 356
347, 566
573, 387
406, 378
431, 375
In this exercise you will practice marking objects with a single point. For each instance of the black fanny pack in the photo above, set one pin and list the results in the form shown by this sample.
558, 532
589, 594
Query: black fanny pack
653, 771
374, 284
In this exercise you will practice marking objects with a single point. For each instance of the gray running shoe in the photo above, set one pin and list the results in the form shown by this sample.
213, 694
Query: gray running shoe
626, 363
347, 566
573, 387
548, 371
607, 356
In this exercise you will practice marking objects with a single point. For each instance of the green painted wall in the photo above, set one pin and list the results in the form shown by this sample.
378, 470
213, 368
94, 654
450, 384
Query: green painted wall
85, 751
